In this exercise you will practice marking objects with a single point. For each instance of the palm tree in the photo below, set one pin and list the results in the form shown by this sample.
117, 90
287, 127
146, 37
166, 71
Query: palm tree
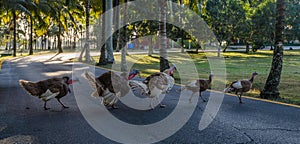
102, 59
124, 67
86, 48
108, 26
35, 9
14, 7
271, 87
60, 12
164, 63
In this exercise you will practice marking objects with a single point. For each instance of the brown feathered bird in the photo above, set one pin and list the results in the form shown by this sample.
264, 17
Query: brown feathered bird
48, 89
109, 86
155, 85
199, 85
241, 86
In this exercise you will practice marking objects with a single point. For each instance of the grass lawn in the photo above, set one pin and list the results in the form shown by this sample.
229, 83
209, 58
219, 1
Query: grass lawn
239, 65
2, 59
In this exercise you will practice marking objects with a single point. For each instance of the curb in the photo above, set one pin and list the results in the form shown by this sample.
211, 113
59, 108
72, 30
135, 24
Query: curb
259, 99
1, 65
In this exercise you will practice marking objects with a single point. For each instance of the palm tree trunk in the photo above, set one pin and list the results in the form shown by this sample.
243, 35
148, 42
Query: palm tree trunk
150, 50
74, 42
102, 59
117, 20
164, 63
124, 67
181, 31
59, 42
109, 23
15, 34
271, 87
87, 40
30, 37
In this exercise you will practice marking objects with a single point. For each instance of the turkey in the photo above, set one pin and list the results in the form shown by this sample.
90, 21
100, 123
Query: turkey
199, 85
155, 84
110, 86
241, 86
48, 89
171, 70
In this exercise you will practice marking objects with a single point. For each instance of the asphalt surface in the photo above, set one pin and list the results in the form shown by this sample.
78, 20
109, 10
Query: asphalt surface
23, 119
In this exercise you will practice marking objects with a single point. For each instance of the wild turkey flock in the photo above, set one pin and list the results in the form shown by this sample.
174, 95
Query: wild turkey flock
110, 86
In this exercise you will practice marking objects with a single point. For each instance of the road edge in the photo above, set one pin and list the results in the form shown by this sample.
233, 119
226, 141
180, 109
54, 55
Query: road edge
260, 99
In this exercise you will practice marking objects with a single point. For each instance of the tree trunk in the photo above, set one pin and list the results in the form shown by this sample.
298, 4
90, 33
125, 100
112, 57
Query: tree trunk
164, 63
87, 39
59, 41
124, 67
102, 59
6, 46
270, 90
150, 49
109, 23
15, 34
86, 47
30, 37
181, 31
247, 48
198, 46
42, 42
74, 42
117, 20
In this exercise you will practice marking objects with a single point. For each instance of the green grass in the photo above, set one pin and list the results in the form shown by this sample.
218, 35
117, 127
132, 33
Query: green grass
239, 65
2, 59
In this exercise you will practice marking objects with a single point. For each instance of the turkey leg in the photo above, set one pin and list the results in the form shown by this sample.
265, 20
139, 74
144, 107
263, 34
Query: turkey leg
62, 103
45, 107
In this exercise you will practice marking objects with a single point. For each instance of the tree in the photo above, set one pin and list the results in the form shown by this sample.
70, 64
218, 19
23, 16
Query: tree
86, 48
108, 26
217, 14
292, 20
60, 12
164, 62
36, 9
271, 87
124, 67
14, 7
262, 23
102, 59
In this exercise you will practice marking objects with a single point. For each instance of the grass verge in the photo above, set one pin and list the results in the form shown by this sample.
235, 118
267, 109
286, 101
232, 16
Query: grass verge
239, 65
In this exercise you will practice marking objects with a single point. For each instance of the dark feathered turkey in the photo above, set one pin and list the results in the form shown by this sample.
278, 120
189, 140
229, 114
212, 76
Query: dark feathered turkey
241, 86
109, 86
199, 85
48, 89
155, 84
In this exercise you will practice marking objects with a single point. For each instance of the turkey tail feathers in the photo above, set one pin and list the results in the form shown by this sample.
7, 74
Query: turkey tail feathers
181, 89
137, 84
30, 87
227, 90
95, 84
91, 78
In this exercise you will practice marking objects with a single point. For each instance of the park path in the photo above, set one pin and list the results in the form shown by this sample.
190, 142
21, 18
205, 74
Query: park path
23, 120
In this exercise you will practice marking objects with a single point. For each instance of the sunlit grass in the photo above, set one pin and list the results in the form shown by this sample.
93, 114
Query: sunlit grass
239, 65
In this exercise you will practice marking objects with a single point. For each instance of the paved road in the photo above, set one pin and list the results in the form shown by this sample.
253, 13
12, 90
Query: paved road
23, 120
